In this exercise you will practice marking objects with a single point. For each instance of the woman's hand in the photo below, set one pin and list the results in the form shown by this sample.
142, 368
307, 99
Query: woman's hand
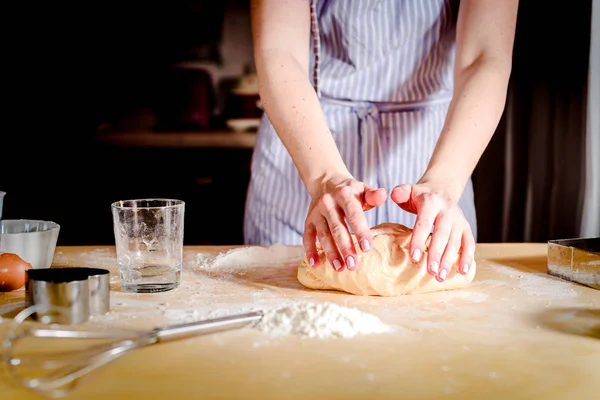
436, 206
339, 200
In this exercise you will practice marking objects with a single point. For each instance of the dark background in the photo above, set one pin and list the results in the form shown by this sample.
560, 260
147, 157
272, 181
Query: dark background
70, 68
74, 67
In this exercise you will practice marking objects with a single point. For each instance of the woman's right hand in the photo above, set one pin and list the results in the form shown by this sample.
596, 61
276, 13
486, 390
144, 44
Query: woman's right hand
339, 200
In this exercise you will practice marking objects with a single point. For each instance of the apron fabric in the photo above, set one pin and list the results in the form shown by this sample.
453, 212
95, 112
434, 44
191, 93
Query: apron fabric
383, 70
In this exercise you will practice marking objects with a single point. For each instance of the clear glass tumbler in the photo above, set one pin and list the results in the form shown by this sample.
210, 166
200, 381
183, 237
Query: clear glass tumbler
1, 202
149, 243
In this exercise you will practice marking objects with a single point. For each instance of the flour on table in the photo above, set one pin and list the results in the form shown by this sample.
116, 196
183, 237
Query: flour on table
199, 314
473, 297
96, 258
299, 318
244, 257
539, 284
320, 320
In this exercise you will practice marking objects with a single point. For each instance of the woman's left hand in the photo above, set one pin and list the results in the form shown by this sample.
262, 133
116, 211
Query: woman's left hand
436, 207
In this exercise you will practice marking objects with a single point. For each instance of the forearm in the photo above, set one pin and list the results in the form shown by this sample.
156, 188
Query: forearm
293, 108
473, 116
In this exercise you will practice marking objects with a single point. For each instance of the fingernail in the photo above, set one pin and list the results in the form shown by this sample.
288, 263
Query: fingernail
443, 274
416, 255
311, 262
433, 267
466, 268
365, 245
337, 265
350, 262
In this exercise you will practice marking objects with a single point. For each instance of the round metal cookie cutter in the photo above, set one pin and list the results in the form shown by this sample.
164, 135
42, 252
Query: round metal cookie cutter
68, 295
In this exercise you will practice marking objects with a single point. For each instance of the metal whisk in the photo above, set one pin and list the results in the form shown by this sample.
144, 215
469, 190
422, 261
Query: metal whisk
65, 370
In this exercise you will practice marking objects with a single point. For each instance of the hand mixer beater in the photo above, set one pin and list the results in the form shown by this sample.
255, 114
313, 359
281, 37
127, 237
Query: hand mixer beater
56, 374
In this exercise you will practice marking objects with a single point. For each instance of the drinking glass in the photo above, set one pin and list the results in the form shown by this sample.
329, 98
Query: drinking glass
149, 243
1, 201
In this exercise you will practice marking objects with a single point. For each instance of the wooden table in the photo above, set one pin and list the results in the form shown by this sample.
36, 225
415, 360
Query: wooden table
514, 333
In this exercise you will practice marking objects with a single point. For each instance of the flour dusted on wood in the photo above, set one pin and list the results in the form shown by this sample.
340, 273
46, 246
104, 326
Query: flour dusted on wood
320, 320
253, 256
305, 319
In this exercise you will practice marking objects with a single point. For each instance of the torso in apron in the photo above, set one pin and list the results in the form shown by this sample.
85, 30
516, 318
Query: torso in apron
383, 70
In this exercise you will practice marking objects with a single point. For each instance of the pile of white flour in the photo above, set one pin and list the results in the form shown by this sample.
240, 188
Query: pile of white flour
320, 320
247, 257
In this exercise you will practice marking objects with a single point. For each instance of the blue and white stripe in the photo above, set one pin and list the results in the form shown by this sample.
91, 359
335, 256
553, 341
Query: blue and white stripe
383, 70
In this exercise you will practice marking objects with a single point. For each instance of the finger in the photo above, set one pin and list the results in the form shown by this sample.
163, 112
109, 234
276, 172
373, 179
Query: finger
467, 258
374, 198
357, 220
328, 244
422, 229
439, 241
401, 194
450, 254
310, 248
339, 231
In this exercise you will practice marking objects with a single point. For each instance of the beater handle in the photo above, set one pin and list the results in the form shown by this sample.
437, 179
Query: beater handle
180, 331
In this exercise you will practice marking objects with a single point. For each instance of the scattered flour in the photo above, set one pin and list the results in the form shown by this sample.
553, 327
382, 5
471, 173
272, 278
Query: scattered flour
539, 284
473, 297
97, 258
175, 316
320, 320
244, 257
488, 283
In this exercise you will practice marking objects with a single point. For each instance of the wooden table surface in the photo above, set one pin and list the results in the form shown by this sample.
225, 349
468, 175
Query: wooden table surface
514, 333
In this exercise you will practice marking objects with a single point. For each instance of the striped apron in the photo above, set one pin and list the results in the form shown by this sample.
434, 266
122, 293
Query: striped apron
383, 70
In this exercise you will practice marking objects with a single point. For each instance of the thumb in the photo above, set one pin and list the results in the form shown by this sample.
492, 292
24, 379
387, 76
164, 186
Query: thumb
401, 194
374, 198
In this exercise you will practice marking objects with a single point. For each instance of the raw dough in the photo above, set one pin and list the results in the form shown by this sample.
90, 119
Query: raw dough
385, 270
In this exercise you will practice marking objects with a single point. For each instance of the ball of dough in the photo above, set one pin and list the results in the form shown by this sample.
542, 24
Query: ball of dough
385, 270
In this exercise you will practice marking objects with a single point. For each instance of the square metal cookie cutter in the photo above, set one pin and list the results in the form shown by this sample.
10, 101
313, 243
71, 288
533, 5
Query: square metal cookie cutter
576, 260
68, 295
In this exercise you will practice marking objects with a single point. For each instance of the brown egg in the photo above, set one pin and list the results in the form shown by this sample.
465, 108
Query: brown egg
12, 272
